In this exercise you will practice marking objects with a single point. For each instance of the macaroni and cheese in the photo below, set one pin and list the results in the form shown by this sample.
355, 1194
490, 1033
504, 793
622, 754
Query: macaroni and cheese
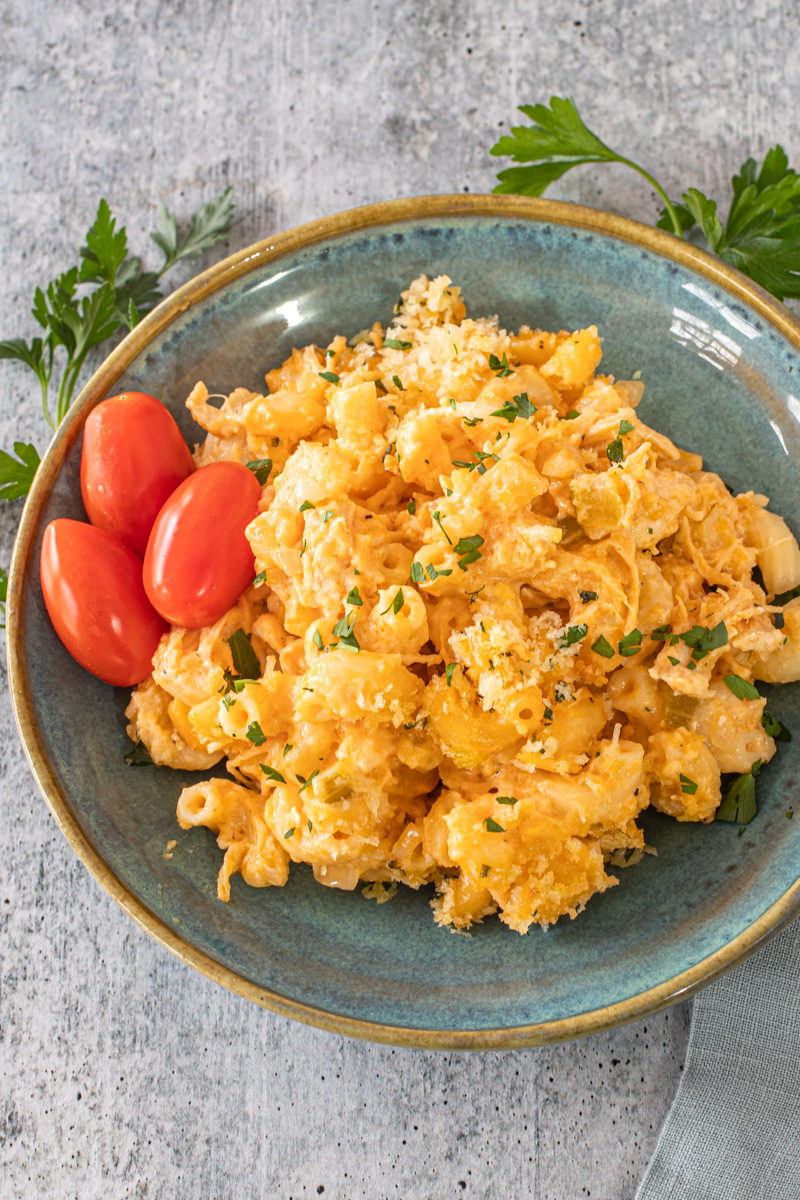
494, 617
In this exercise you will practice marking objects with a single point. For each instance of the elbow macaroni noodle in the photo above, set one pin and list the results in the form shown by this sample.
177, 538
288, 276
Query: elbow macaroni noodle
475, 570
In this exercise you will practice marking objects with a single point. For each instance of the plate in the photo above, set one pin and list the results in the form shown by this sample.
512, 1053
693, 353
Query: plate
721, 364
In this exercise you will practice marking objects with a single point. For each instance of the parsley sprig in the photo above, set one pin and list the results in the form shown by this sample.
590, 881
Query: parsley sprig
87, 304
761, 235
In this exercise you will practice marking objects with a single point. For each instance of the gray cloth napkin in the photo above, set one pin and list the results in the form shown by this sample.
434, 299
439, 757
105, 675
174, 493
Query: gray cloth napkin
733, 1132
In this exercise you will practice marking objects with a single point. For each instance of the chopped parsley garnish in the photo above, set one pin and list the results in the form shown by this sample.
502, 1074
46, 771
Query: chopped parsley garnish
676, 662
287, 748
432, 573
353, 597
438, 519
688, 786
307, 782
630, 644
471, 557
139, 756
785, 597
741, 689
626, 427
398, 383
505, 799
572, 415
465, 544
395, 604
317, 640
548, 713
587, 597
411, 507
260, 578
601, 647
255, 734
573, 635
479, 465
500, 365
774, 729
417, 573
492, 826
310, 827
519, 406
261, 468
381, 386
245, 659
306, 505
448, 673
240, 684
326, 516
660, 634
303, 548
615, 451
328, 376
470, 421
473, 596
272, 774
330, 353
289, 832
739, 804
703, 640
343, 629
396, 344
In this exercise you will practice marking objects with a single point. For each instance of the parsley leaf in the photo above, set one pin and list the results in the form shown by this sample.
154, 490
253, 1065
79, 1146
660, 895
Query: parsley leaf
139, 756
615, 451
354, 597
601, 647
411, 507
500, 365
465, 544
630, 644
255, 734
505, 800
573, 635
774, 729
587, 597
396, 344
739, 804
210, 225
272, 774
518, 406
688, 786
245, 659
448, 673
261, 468
741, 689
16, 474
328, 376
492, 826
437, 516
396, 604
397, 381
417, 573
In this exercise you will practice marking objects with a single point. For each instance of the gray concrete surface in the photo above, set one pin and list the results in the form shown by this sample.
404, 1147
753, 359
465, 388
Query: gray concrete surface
123, 1074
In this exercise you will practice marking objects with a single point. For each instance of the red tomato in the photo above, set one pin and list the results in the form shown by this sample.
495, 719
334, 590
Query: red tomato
93, 591
134, 457
198, 560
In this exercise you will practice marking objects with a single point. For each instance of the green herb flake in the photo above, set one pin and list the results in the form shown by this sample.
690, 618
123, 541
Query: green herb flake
774, 729
703, 640
625, 427
505, 800
139, 756
411, 507
395, 344
739, 805
468, 559
615, 451
353, 597
261, 468
255, 734
396, 604
271, 773
473, 596
601, 647
548, 713
398, 383
572, 415
328, 376
492, 826
500, 365
518, 406
245, 659
587, 597
573, 635
741, 689
630, 644
307, 782
287, 748
472, 421
326, 516
417, 573
448, 672
306, 505
688, 786
438, 519
660, 634
289, 832
676, 662
260, 578
317, 640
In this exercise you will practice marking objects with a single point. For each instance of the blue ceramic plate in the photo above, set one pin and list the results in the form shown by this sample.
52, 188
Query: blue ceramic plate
721, 364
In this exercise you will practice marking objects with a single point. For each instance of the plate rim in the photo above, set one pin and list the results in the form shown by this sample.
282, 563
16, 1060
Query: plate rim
270, 249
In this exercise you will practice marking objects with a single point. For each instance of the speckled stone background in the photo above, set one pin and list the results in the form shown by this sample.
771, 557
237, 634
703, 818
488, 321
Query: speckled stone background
124, 1074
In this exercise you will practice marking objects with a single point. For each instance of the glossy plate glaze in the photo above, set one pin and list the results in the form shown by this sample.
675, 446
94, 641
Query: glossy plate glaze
721, 364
